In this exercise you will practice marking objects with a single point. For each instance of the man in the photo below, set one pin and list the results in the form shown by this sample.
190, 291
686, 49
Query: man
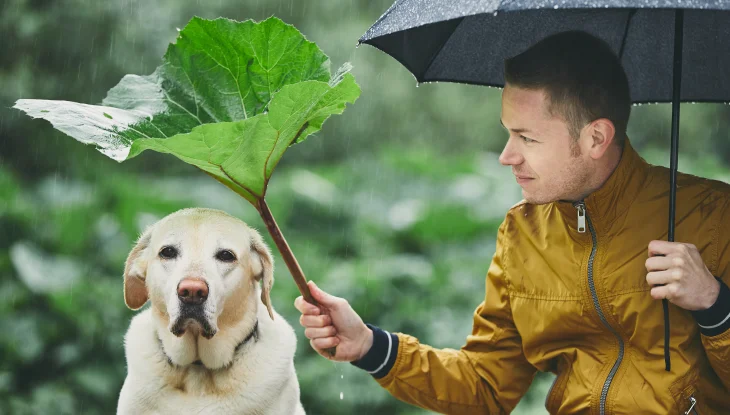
580, 269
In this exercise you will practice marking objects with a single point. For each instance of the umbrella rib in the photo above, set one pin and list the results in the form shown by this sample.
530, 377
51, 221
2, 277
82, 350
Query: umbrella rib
632, 12
433, 57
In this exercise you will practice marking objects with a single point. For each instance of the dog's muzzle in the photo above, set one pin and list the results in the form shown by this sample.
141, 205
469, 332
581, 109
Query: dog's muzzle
190, 315
192, 294
192, 291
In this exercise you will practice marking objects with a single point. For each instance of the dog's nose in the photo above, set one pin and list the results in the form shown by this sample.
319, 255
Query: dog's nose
192, 291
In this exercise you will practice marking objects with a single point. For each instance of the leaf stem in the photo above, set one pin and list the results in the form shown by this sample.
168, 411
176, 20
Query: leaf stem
288, 256
286, 252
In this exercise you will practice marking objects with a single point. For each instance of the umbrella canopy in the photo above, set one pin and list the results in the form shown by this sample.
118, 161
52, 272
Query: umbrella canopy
671, 50
467, 41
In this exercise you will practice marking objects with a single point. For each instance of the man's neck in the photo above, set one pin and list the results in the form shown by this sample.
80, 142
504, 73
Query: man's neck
603, 172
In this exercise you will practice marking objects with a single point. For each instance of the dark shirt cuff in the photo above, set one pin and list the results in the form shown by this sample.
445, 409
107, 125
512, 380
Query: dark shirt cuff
716, 319
381, 357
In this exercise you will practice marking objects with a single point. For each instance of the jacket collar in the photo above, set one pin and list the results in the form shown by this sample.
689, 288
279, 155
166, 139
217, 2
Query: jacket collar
617, 193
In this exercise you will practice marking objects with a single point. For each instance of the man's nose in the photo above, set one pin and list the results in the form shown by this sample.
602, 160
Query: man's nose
510, 156
192, 291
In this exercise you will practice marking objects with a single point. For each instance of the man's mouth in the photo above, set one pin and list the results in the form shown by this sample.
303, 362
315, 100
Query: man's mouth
523, 179
192, 318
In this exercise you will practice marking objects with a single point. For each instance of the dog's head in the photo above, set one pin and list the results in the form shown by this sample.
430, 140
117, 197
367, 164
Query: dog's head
196, 266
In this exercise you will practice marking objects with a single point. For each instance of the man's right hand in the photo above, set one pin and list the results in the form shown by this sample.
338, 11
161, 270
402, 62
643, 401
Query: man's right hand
333, 323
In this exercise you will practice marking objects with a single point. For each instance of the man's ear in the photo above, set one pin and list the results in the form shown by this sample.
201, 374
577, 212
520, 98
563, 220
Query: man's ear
262, 266
135, 273
603, 134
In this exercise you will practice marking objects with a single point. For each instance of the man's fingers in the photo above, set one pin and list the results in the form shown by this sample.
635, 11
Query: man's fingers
315, 321
304, 307
658, 263
665, 248
325, 343
660, 278
658, 248
663, 292
329, 301
319, 332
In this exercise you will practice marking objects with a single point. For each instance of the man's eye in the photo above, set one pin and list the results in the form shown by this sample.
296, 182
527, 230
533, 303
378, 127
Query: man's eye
225, 256
527, 140
168, 252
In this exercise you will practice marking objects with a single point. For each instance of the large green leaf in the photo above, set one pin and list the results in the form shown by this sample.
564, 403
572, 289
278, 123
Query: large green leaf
217, 71
243, 154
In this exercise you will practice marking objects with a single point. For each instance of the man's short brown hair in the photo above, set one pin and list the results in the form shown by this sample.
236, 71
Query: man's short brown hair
582, 77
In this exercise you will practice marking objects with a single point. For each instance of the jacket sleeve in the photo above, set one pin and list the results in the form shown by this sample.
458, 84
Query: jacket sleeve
487, 375
715, 322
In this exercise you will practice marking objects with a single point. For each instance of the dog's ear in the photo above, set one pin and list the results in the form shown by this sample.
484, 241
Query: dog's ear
262, 265
135, 272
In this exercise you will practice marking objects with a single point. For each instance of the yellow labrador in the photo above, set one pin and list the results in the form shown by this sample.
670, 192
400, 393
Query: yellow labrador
206, 344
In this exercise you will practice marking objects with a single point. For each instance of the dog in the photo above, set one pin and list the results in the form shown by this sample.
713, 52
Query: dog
206, 344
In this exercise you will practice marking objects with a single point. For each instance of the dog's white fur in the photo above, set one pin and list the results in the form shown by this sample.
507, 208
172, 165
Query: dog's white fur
257, 379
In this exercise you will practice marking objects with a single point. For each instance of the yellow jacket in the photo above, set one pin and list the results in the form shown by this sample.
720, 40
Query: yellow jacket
578, 305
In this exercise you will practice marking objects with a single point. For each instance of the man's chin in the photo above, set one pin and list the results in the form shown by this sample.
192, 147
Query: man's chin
197, 326
535, 200
529, 197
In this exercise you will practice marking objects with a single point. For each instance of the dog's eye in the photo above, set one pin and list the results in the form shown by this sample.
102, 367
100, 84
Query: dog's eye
168, 252
225, 256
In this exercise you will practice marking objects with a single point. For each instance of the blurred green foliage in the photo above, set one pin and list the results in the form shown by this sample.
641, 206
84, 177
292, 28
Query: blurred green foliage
394, 205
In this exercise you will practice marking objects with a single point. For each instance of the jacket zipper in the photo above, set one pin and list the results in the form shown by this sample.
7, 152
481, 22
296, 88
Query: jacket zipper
692, 409
583, 215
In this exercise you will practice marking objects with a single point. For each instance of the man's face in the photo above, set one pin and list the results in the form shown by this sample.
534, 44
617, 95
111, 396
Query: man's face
547, 163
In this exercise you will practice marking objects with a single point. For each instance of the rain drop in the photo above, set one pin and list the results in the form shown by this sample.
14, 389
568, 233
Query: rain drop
495, 13
342, 396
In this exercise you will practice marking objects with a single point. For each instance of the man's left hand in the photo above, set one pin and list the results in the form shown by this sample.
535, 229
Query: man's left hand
677, 273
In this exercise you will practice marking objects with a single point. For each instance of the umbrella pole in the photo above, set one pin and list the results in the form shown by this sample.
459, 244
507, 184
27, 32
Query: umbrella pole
676, 90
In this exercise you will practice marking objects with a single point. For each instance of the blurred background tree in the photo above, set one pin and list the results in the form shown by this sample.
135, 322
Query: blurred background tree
394, 205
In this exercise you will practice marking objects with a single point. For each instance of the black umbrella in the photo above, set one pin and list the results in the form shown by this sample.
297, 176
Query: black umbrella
672, 50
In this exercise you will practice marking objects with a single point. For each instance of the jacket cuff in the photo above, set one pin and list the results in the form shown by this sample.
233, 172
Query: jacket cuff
716, 319
381, 357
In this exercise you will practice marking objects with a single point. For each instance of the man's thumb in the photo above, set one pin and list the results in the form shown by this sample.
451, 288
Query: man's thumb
321, 296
